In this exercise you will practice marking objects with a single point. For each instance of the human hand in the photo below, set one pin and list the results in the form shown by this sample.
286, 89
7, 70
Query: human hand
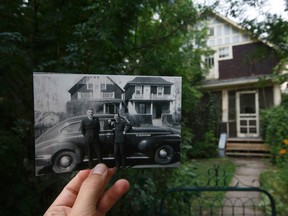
85, 194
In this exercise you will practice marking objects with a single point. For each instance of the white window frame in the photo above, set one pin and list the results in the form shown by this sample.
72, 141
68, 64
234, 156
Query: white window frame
211, 31
229, 53
160, 90
210, 61
138, 90
108, 95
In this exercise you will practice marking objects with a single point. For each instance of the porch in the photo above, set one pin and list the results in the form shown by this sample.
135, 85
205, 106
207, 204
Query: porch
247, 147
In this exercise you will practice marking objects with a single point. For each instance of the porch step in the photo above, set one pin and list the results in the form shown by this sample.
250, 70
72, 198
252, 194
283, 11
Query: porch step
247, 147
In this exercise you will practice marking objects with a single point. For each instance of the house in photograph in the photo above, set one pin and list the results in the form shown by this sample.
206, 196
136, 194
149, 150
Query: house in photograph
99, 92
149, 95
241, 77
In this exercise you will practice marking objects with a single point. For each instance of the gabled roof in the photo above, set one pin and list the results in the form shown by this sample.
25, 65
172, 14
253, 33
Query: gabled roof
89, 77
143, 80
75, 85
239, 28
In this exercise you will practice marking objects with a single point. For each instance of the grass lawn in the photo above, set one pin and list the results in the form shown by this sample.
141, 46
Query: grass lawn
275, 181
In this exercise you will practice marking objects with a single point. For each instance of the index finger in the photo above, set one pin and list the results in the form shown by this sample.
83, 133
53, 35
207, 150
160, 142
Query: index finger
69, 194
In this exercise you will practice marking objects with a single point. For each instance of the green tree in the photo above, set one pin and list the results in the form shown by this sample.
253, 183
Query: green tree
147, 37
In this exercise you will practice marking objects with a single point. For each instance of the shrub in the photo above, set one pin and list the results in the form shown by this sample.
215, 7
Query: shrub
275, 181
275, 131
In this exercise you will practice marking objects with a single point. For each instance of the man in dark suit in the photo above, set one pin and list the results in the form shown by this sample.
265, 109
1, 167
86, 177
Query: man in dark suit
120, 126
90, 128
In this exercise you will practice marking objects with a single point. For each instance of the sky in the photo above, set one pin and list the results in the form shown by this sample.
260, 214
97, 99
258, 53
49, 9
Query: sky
272, 6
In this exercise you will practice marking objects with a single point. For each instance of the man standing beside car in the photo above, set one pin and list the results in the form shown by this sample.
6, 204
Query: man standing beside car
90, 128
120, 126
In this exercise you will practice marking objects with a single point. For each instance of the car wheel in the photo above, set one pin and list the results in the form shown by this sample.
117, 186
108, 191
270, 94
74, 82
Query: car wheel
65, 162
164, 154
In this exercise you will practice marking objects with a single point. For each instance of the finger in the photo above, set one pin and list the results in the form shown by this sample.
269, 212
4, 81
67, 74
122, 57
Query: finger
91, 190
112, 195
68, 195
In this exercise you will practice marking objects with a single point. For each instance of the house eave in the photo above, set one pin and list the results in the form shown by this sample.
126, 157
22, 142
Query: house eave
242, 82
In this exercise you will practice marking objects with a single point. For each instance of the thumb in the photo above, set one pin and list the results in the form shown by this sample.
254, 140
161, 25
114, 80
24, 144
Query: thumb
91, 191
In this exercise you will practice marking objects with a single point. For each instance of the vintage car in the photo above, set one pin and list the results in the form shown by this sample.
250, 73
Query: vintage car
62, 148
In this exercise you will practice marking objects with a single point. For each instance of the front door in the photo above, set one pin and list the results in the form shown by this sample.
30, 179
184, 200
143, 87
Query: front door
247, 114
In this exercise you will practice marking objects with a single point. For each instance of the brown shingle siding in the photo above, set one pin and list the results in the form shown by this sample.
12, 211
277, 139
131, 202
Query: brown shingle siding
248, 60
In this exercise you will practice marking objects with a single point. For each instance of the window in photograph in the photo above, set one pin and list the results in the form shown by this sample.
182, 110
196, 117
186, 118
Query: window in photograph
167, 90
138, 90
108, 95
103, 86
160, 90
90, 86
85, 95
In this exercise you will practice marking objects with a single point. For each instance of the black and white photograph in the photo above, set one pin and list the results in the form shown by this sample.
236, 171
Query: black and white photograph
81, 120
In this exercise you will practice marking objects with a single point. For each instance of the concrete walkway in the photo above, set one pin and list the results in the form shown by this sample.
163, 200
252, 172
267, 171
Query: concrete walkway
247, 174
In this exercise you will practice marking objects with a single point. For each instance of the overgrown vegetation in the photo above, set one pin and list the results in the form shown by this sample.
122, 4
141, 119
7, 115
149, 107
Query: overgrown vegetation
275, 180
140, 37
275, 130
149, 185
106, 37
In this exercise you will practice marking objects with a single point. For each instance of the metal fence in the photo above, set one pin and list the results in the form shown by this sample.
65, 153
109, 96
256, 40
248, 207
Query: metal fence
216, 198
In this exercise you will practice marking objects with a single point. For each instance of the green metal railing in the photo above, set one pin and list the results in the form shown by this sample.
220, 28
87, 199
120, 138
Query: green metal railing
216, 198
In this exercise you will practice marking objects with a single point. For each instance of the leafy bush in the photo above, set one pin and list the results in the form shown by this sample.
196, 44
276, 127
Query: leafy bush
275, 131
203, 121
275, 181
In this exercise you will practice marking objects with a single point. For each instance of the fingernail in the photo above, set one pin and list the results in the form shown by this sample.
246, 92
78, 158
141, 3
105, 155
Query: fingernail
99, 169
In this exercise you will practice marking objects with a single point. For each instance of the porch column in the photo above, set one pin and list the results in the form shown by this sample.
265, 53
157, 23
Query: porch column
277, 94
134, 106
225, 106
104, 108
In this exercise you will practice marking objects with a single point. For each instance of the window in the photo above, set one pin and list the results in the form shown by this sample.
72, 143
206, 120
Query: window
167, 90
224, 52
142, 109
211, 31
160, 90
138, 90
209, 61
90, 86
103, 86
85, 95
108, 95
71, 128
